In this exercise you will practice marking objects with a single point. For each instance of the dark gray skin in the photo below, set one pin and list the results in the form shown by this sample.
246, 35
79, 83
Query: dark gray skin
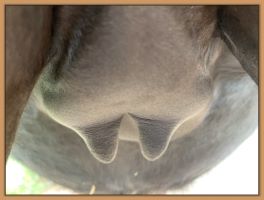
151, 90
27, 40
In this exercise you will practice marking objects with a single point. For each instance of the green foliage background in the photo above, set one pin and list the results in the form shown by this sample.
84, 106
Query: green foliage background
22, 180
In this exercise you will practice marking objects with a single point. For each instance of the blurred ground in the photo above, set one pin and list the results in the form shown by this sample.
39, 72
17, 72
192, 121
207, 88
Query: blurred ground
22, 180
237, 174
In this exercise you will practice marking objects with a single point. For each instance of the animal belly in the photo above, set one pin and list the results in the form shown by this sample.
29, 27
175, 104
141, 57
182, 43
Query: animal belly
57, 153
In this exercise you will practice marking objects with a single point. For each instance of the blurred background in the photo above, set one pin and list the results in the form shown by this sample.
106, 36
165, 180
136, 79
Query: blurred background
237, 174
22, 180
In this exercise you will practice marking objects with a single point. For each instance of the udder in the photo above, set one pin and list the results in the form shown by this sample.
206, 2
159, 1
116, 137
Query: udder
140, 81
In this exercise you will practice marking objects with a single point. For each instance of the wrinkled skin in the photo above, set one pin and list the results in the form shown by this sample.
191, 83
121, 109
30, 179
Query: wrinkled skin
147, 90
